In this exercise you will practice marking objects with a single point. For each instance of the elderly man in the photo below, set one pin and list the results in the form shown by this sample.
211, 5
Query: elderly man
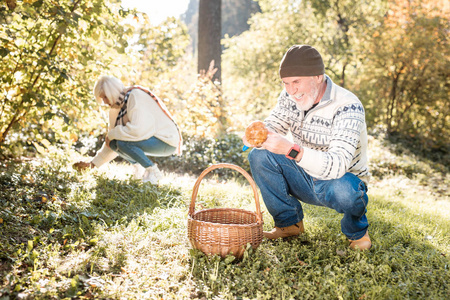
326, 165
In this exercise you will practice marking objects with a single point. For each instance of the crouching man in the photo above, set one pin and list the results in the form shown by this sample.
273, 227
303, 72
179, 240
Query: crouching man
326, 165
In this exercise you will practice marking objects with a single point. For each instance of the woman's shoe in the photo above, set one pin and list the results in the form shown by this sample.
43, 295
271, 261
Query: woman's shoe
138, 171
152, 174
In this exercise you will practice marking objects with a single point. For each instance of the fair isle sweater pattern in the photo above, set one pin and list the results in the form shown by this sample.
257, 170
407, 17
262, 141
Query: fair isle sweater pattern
333, 133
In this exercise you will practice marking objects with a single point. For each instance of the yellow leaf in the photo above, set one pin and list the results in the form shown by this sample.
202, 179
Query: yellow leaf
1, 220
44, 199
73, 137
46, 143
39, 148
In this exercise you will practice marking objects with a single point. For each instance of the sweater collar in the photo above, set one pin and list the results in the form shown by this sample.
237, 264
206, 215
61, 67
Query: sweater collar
327, 95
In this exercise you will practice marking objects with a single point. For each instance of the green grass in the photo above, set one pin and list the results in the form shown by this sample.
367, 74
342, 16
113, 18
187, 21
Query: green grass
102, 235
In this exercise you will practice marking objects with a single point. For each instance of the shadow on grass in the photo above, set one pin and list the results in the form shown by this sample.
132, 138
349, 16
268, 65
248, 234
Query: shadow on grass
51, 210
116, 200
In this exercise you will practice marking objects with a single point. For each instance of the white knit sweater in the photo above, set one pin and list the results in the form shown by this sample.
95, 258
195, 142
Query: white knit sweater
333, 134
145, 119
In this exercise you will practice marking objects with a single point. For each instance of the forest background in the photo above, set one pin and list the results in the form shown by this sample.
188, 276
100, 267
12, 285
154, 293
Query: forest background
392, 54
65, 234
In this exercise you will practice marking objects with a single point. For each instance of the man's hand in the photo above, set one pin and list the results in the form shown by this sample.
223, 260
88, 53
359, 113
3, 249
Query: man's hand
278, 144
244, 140
81, 165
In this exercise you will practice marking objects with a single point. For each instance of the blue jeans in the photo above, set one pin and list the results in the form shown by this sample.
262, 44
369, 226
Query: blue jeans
283, 183
135, 152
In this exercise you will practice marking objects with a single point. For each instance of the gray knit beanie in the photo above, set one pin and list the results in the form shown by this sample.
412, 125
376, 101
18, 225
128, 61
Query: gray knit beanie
301, 60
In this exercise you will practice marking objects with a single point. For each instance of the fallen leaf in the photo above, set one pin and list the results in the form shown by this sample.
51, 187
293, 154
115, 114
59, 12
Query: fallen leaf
301, 262
73, 137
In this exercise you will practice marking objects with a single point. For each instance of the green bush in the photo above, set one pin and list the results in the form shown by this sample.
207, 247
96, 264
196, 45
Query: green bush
201, 152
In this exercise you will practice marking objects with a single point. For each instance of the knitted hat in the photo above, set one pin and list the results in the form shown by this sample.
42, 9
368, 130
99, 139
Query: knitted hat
301, 60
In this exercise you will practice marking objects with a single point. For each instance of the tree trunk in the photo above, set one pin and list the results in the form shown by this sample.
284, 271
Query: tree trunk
209, 35
343, 75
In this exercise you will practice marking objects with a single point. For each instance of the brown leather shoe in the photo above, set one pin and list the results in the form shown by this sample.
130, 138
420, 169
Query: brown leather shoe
283, 232
363, 243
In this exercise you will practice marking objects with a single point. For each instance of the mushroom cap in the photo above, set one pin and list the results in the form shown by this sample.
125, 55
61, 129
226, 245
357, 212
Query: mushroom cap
256, 133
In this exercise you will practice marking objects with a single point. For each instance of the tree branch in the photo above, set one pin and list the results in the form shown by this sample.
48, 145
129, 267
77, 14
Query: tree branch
15, 119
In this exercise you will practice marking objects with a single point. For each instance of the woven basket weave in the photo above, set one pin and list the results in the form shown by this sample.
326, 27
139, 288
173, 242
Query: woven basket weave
224, 231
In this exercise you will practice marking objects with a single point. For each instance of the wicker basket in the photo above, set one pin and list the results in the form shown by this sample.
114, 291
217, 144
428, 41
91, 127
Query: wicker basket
224, 231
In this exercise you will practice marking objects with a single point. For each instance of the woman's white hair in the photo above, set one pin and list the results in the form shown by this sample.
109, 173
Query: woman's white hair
109, 86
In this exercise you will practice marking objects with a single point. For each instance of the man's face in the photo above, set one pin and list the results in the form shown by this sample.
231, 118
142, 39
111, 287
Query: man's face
303, 90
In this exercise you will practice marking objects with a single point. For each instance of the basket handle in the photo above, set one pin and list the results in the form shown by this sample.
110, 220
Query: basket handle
229, 166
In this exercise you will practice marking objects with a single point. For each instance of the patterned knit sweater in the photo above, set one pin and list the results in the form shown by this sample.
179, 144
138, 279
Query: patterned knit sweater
333, 133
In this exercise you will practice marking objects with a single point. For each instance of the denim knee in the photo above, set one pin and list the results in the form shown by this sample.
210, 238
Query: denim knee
350, 195
121, 145
113, 145
258, 157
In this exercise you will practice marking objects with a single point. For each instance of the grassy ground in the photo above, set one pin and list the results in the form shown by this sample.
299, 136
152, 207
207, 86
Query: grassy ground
102, 235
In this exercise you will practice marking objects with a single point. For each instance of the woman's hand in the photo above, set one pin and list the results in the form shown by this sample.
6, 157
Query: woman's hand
107, 141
